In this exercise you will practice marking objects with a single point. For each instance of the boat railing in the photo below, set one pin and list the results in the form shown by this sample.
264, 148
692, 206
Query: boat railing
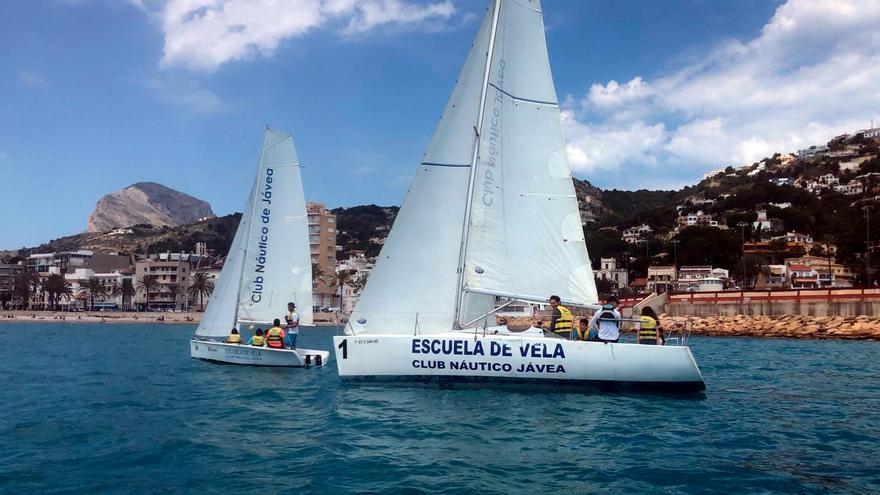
683, 328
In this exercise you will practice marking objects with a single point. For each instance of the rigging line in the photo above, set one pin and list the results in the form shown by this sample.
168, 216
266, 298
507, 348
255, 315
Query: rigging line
462, 253
449, 165
527, 100
276, 143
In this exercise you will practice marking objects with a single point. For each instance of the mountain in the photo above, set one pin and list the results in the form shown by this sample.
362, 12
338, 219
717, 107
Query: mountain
146, 203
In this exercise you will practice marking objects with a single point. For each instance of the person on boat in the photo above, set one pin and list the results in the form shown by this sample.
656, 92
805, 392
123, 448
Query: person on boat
560, 318
585, 332
649, 331
258, 339
275, 335
606, 321
292, 326
234, 337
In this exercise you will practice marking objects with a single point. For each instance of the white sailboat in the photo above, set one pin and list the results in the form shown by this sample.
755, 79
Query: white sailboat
268, 265
492, 213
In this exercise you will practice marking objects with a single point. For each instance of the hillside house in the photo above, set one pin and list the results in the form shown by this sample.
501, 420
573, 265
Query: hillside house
696, 219
812, 151
637, 234
851, 188
765, 224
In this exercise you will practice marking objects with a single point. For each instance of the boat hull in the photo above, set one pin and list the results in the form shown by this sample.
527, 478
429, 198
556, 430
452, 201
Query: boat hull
457, 359
220, 352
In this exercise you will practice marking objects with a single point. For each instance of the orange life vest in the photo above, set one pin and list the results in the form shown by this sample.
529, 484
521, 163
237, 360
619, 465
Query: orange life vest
275, 338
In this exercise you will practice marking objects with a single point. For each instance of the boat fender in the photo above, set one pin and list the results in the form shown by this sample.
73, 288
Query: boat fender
308, 359
318, 360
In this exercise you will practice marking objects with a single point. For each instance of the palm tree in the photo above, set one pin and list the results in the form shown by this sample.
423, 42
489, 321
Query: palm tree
82, 295
56, 286
148, 284
340, 280
174, 290
126, 289
115, 289
94, 287
24, 284
317, 273
201, 286
64, 291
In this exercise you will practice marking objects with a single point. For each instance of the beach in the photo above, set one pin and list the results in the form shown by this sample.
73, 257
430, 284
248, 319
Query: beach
166, 317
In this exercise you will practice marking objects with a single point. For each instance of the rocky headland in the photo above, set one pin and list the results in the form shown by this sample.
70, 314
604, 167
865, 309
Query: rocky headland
146, 203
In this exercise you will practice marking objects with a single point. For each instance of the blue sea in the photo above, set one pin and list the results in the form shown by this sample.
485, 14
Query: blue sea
109, 408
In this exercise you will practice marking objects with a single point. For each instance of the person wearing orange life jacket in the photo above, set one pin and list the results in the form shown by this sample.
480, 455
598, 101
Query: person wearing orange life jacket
560, 318
275, 335
649, 331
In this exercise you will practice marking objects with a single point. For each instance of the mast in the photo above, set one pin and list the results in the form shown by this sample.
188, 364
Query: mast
462, 254
249, 210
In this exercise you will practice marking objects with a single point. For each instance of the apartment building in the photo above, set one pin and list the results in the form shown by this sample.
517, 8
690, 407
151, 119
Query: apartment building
7, 274
322, 244
661, 278
173, 278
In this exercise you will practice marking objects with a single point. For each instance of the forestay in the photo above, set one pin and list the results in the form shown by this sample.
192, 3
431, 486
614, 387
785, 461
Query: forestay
415, 278
525, 234
277, 265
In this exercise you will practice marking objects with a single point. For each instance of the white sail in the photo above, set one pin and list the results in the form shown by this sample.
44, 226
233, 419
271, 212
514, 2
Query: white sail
277, 264
525, 236
220, 315
416, 274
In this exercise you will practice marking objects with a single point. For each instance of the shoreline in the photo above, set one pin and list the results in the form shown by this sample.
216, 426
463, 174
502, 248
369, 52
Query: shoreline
168, 318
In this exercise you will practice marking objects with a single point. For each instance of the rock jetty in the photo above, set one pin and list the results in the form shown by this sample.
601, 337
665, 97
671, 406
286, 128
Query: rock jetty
788, 326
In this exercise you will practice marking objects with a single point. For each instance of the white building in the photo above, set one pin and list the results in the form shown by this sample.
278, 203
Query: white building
360, 267
611, 272
851, 188
106, 299
637, 234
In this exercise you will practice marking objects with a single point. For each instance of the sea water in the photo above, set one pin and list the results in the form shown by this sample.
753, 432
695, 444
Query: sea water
108, 408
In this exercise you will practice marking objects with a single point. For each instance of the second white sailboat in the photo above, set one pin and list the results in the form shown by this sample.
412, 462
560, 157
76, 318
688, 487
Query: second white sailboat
268, 265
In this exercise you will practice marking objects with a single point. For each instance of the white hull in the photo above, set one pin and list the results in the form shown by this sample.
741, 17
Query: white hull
527, 359
256, 356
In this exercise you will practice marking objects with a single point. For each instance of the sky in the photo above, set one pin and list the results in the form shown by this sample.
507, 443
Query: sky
98, 94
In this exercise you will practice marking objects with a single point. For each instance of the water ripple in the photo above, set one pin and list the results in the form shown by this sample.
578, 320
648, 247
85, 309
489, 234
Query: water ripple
130, 412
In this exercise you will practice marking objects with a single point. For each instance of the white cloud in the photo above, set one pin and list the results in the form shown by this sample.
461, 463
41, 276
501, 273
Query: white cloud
202, 35
30, 79
186, 93
810, 74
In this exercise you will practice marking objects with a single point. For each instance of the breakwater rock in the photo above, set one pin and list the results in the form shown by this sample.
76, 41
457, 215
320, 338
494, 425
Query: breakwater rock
788, 326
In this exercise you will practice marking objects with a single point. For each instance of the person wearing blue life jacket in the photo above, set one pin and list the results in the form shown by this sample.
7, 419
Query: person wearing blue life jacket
606, 321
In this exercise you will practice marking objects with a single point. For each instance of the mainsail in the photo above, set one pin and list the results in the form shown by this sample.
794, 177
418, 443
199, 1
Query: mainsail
269, 263
525, 236
278, 266
499, 143
414, 283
